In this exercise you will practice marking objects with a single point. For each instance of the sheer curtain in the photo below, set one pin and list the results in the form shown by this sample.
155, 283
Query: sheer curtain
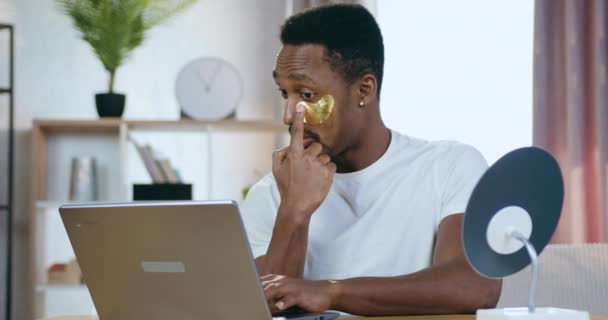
571, 109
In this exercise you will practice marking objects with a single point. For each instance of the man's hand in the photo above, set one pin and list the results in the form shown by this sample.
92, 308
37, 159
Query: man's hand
283, 293
304, 175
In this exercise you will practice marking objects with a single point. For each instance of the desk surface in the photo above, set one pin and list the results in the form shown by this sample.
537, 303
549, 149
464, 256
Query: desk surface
449, 317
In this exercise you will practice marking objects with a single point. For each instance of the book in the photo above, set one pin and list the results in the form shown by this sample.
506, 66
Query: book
146, 154
153, 168
167, 170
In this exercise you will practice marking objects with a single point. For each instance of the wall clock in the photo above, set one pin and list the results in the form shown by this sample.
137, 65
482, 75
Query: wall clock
208, 88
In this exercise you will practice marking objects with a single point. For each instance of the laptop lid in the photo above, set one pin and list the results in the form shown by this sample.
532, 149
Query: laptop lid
169, 260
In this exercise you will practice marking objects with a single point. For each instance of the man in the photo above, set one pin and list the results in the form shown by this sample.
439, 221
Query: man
356, 217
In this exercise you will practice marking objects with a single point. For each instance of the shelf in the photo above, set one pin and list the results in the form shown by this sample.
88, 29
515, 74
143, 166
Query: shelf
112, 125
55, 204
194, 125
49, 204
43, 288
6, 90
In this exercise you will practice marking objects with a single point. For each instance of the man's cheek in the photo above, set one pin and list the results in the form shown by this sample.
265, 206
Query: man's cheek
320, 112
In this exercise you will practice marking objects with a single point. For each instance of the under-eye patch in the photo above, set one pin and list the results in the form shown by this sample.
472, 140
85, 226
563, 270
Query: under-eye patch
318, 112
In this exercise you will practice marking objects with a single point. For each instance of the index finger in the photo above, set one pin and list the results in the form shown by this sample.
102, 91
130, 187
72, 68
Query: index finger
297, 130
278, 157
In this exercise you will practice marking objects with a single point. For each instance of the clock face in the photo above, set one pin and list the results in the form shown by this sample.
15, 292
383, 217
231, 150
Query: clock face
208, 89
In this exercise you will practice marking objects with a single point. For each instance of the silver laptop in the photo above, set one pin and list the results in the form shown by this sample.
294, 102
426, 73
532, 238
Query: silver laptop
168, 260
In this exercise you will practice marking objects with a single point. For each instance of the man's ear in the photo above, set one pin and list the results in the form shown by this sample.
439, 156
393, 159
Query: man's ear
367, 88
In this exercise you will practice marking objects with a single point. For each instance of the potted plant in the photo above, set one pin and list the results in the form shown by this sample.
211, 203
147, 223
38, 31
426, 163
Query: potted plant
114, 28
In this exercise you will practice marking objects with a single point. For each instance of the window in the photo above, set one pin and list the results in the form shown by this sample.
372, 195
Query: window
459, 70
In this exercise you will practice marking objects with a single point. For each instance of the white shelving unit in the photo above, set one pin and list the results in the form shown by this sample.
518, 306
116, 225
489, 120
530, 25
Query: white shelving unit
60, 288
53, 246
216, 157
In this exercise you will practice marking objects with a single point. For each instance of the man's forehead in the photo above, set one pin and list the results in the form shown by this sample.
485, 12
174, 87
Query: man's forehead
295, 62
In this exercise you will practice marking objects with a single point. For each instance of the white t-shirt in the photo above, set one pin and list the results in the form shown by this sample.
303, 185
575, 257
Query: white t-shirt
380, 221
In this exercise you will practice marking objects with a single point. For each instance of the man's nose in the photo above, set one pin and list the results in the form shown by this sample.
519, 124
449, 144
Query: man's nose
289, 110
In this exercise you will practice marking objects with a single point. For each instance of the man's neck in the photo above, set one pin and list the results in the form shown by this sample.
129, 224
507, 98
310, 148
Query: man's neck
371, 147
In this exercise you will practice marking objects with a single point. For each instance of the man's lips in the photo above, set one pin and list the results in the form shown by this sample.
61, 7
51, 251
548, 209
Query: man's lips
308, 141
309, 137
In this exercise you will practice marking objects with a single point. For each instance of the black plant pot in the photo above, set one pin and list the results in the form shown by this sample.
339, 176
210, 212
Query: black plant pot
110, 104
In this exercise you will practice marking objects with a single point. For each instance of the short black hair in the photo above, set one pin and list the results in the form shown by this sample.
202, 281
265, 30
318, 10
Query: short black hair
349, 33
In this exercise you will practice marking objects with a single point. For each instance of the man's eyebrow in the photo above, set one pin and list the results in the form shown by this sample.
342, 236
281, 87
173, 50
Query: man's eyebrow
297, 76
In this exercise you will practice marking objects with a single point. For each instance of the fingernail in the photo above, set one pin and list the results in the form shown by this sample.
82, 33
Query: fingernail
280, 305
299, 107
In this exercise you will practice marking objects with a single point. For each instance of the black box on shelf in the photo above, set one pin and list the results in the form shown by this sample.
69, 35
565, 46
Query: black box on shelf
162, 191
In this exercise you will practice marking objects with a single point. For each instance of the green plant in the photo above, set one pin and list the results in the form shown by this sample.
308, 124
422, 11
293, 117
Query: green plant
114, 28
245, 191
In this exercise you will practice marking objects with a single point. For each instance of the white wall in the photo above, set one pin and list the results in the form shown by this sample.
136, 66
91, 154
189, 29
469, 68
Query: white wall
58, 73
459, 70
7, 11
57, 76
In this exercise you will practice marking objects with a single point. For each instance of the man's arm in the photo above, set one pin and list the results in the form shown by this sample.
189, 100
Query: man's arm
450, 285
304, 177
287, 249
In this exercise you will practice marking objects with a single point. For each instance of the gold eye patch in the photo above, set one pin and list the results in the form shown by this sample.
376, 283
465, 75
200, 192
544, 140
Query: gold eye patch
319, 112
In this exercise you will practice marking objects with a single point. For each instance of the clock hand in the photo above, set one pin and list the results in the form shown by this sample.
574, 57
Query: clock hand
217, 69
205, 83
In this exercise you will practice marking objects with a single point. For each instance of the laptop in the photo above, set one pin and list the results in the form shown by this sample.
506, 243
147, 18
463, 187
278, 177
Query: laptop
169, 260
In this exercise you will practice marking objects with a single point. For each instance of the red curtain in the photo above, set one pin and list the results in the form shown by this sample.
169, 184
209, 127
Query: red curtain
571, 109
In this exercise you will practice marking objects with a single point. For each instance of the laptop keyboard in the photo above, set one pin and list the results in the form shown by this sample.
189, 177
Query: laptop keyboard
291, 312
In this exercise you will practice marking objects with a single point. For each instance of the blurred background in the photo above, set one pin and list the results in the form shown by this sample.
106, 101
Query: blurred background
202, 113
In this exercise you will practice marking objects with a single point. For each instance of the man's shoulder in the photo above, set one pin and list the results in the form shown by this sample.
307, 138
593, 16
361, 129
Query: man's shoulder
266, 187
266, 181
262, 199
443, 150
451, 149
